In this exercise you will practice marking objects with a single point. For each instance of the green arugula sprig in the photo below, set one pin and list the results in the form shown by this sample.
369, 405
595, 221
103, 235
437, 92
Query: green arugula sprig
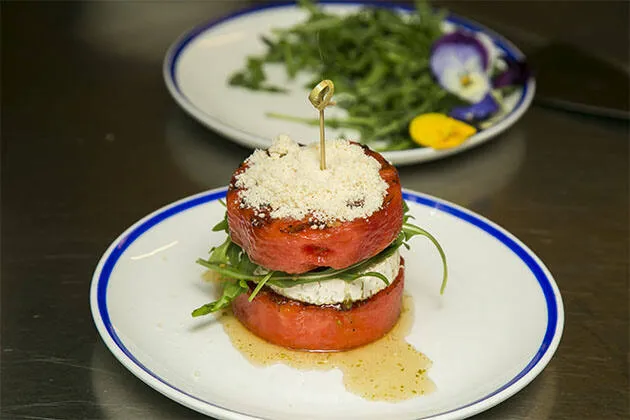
232, 263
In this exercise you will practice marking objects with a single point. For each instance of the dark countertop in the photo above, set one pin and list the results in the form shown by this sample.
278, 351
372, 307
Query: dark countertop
92, 141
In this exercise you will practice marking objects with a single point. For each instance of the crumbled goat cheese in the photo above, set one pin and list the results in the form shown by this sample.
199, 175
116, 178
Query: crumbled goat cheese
287, 180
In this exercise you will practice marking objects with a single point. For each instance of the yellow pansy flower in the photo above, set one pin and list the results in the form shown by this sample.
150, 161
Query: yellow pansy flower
439, 131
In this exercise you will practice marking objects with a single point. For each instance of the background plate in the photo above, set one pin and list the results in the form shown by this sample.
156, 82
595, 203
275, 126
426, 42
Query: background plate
496, 327
198, 65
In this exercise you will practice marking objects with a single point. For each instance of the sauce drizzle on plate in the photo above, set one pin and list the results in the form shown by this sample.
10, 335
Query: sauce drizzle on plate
389, 369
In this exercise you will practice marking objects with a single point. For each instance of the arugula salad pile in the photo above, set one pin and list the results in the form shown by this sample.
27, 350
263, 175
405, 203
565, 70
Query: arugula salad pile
237, 270
378, 58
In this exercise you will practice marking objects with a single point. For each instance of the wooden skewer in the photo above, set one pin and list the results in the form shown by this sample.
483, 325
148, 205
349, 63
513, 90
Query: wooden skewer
321, 97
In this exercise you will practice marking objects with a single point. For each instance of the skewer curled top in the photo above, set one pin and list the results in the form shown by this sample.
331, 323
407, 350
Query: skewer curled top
321, 95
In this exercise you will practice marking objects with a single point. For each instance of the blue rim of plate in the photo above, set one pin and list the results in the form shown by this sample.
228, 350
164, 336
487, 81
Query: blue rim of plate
553, 300
509, 49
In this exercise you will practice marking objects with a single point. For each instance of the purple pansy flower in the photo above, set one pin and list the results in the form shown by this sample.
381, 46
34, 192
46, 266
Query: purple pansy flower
463, 61
460, 63
480, 111
516, 73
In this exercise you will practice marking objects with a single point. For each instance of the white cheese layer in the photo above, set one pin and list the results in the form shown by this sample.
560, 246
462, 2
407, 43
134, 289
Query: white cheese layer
333, 291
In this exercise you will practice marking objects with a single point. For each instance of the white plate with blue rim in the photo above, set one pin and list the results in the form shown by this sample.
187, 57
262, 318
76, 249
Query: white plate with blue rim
493, 331
198, 65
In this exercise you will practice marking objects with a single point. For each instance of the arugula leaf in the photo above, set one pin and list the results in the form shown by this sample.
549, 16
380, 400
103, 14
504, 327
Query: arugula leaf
223, 224
372, 274
412, 230
231, 289
406, 216
227, 271
219, 254
260, 285
233, 264
245, 265
234, 254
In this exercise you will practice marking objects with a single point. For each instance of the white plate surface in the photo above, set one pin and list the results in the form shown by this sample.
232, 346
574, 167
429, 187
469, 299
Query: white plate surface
494, 330
198, 65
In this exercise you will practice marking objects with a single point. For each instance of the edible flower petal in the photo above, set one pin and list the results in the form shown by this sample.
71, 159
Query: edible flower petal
460, 63
517, 72
439, 131
495, 54
480, 111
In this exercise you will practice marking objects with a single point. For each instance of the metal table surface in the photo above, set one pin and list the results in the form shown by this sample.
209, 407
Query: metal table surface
91, 142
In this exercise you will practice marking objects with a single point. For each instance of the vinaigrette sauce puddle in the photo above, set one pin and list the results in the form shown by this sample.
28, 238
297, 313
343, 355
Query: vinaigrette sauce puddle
389, 369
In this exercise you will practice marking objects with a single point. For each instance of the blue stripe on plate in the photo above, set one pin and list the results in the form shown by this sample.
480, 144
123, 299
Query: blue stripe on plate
508, 48
116, 253
526, 257
523, 254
